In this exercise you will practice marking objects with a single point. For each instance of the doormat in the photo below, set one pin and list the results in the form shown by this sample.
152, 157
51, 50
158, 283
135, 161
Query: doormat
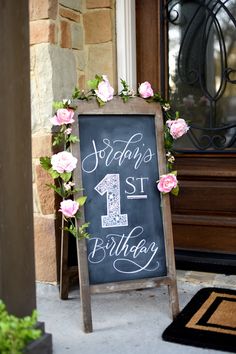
207, 321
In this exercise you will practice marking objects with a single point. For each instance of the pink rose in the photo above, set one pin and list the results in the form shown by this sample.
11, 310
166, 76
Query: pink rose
69, 208
178, 127
63, 116
104, 91
63, 162
167, 183
145, 90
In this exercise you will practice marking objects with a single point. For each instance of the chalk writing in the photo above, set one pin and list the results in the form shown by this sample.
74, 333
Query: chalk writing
133, 181
127, 250
119, 163
110, 185
132, 149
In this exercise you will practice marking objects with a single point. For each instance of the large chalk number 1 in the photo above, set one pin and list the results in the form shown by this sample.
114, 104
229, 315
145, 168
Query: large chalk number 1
110, 185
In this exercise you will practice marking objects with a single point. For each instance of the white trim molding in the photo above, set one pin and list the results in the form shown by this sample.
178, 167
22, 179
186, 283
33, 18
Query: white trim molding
126, 43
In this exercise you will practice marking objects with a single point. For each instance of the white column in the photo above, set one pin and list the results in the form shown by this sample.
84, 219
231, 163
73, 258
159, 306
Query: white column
126, 42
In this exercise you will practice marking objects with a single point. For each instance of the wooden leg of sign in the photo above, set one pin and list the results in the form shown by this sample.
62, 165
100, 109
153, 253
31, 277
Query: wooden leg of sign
172, 287
173, 298
64, 271
85, 296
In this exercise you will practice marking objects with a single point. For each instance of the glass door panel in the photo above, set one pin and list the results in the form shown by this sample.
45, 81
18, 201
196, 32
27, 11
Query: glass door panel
202, 72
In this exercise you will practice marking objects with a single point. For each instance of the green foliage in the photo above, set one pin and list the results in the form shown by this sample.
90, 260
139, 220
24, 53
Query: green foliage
125, 98
125, 85
126, 93
71, 229
81, 200
65, 176
175, 191
82, 233
93, 84
79, 232
168, 139
57, 105
58, 139
54, 174
62, 192
62, 138
72, 139
16, 333
66, 103
45, 162
76, 93
157, 98
100, 102
79, 95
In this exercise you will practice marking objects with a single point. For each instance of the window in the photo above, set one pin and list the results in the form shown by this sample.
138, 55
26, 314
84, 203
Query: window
202, 72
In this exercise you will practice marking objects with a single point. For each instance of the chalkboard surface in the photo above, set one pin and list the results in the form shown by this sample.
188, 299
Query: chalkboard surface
119, 172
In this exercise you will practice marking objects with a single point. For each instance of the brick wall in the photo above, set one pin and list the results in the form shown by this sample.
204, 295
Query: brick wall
71, 41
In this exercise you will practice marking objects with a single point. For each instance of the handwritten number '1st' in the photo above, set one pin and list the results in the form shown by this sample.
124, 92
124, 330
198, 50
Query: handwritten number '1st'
110, 185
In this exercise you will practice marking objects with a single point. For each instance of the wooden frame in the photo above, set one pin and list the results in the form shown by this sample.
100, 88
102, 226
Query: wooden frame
135, 106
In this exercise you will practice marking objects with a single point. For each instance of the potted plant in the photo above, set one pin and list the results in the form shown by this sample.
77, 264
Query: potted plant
17, 334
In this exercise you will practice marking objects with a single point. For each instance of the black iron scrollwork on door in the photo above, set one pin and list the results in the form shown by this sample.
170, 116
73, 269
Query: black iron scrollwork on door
202, 71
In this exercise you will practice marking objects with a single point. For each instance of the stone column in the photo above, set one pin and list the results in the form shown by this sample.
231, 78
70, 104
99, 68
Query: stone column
71, 41
17, 273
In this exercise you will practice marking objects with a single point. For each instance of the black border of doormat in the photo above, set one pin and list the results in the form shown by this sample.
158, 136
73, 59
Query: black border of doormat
178, 333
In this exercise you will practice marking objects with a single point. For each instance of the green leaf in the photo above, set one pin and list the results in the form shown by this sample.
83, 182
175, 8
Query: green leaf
175, 191
93, 84
76, 93
16, 333
79, 95
72, 230
125, 85
79, 233
58, 139
168, 139
82, 233
176, 115
174, 173
100, 102
73, 139
124, 97
98, 78
169, 167
157, 97
54, 174
45, 162
65, 176
81, 200
168, 144
57, 105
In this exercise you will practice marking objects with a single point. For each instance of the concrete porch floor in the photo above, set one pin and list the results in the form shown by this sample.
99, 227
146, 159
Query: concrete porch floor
125, 322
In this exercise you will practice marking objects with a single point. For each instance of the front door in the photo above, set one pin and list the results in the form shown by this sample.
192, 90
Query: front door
195, 60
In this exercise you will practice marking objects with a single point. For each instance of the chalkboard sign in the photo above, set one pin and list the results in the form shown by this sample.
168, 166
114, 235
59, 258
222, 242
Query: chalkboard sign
121, 156
119, 172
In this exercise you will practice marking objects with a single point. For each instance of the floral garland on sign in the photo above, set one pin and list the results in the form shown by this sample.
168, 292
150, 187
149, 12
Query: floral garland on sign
61, 165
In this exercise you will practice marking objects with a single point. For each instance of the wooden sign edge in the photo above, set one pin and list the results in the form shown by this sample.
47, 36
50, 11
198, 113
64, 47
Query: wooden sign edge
135, 106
